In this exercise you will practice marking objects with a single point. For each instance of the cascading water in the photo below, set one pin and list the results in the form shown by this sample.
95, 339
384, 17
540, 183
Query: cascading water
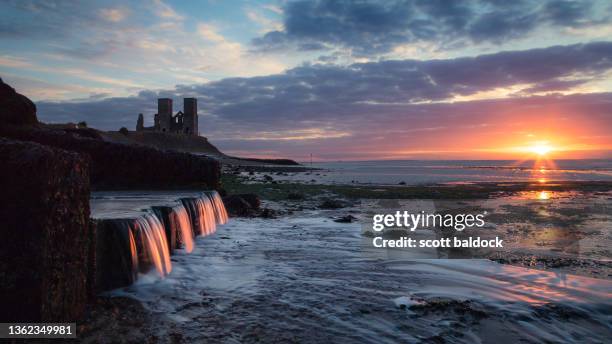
218, 206
207, 220
134, 255
205, 212
132, 245
184, 226
155, 243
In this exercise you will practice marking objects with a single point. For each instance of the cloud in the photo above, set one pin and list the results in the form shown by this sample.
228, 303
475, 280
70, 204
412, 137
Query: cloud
349, 106
373, 27
114, 15
263, 21
209, 32
165, 11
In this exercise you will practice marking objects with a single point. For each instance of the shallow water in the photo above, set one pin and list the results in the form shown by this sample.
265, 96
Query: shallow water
309, 279
417, 172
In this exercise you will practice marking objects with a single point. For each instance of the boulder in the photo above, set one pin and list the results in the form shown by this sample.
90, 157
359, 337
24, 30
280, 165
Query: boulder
346, 219
332, 204
45, 249
252, 199
15, 109
242, 204
295, 196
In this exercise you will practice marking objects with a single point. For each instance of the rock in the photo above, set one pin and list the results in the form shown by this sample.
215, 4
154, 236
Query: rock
117, 166
46, 234
237, 206
296, 196
267, 178
346, 219
268, 213
15, 109
242, 204
252, 199
401, 183
332, 204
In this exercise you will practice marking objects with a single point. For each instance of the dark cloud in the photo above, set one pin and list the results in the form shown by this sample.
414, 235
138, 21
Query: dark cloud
343, 99
373, 27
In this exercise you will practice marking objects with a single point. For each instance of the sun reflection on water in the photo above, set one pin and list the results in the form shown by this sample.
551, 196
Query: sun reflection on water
544, 195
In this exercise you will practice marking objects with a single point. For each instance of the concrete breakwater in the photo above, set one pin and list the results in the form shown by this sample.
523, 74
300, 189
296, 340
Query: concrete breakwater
134, 237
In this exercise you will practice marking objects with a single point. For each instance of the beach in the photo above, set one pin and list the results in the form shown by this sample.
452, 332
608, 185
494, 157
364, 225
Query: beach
303, 273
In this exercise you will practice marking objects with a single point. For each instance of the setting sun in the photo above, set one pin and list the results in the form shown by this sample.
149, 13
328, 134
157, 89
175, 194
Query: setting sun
540, 149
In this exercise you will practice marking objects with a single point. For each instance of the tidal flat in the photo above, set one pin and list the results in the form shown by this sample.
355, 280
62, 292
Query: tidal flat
307, 272
559, 226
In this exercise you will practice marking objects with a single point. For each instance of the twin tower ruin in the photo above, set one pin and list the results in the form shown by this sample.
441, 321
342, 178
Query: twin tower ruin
183, 122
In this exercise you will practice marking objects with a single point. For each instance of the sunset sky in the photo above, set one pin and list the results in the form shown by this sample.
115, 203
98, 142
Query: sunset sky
356, 80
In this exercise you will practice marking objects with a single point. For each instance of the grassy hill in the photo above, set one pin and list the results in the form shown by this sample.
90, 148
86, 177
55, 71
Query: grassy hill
183, 143
190, 144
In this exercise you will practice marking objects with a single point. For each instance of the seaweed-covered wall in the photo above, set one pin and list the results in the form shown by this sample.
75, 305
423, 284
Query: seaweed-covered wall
45, 246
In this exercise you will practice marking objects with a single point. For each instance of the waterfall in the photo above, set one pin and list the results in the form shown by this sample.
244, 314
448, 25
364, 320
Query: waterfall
207, 222
155, 243
184, 226
206, 212
218, 206
134, 255
127, 246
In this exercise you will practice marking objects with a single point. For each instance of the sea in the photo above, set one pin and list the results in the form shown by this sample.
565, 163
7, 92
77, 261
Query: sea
424, 172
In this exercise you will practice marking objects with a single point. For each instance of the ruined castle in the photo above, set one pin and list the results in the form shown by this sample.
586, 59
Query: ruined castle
183, 122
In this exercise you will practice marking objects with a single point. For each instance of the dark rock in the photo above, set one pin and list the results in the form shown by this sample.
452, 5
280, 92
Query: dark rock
15, 109
242, 204
296, 196
46, 235
252, 199
346, 219
267, 178
116, 166
401, 183
332, 204
222, 192
268, 213
237, 206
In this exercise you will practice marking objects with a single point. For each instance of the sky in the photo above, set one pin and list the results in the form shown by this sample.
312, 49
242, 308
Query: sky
341, 80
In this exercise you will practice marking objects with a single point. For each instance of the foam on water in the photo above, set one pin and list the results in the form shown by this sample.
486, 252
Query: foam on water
308, 279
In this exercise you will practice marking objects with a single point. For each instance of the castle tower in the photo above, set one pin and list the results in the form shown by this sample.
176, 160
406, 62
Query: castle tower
140, 123
190, 118
164, 112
